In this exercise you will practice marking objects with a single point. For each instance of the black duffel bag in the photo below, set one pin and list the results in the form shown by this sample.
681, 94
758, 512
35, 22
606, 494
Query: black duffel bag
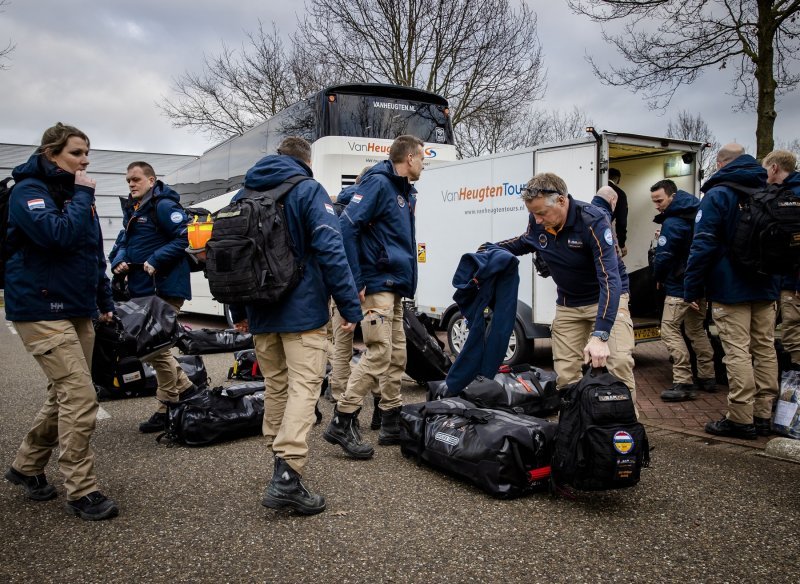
503, 454
425, 356
150, 320
216, 415
522, 390
209, 341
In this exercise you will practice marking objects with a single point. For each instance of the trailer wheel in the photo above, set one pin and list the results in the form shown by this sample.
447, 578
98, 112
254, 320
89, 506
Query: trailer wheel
457, 332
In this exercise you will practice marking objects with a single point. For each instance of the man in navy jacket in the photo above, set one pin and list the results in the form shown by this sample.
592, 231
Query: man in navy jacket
592, 322
744, 304
676, 212
781, 169
290, 335
378, 231
151, 252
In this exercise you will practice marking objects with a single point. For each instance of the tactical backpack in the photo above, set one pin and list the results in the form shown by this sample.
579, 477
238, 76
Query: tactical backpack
599, 444
250, 256
5, 196
767, 236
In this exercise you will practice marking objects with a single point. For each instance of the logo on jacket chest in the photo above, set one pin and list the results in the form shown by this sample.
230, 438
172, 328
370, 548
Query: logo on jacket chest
141, 219
574, 243
542, 240
401, 202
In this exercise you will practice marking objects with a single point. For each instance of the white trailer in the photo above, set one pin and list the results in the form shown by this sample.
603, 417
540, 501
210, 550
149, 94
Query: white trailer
466, 203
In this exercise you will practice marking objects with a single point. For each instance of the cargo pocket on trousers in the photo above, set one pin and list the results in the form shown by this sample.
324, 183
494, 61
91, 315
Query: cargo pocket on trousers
60, 355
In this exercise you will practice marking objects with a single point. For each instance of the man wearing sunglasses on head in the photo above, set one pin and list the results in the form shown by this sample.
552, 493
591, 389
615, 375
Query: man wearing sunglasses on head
575, 240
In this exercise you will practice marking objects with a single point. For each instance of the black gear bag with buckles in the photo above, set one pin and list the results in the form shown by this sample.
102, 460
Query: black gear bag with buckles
506, 455
599, 444
250, 256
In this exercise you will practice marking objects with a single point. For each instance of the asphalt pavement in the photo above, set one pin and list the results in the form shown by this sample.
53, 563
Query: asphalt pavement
705, 511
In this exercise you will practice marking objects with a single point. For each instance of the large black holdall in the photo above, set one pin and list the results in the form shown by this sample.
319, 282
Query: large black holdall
151, 321
523, 389
599, 444
504, 454
207, 341
425, 356
216, 415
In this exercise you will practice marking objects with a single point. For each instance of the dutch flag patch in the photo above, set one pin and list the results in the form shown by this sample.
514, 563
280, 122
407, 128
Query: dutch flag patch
329, 209
35, 204
356, 198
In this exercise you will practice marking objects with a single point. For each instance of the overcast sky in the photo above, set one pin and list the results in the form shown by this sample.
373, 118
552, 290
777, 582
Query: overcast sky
102, 66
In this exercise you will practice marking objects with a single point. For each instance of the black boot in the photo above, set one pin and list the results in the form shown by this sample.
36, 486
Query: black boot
343, 430
390, 427
375, 423
286, 490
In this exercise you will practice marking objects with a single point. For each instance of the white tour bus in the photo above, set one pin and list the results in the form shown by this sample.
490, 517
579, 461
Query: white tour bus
349, 127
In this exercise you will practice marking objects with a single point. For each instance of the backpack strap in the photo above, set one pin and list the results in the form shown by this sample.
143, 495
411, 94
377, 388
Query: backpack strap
279, 192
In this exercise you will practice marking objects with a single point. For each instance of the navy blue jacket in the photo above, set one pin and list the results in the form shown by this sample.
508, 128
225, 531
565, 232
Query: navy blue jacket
672, 251
791, 282
582, 258
488, 279
604, 206
344, 198
56, 269
315, 235
709, 266
378, 231
155, 232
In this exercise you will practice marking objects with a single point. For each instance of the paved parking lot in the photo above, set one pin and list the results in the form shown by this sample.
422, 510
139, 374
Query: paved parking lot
706, 511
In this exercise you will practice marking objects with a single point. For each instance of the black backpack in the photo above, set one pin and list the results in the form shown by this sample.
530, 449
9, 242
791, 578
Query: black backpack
5, 196
250, 256
766, 240
599, 444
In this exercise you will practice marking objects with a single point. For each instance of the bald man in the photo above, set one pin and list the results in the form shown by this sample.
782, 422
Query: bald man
744, 303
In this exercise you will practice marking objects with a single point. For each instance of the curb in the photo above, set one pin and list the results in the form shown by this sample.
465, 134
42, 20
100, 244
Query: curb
784, 449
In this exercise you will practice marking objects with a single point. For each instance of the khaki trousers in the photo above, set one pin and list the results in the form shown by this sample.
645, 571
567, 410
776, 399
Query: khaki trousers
63, 349
383, 364
293, 365
172, 380
790, 327
342, 355
677, 312
570, 333
747, 333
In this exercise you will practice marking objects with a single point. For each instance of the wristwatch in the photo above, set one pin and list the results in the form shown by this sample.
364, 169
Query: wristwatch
602, 335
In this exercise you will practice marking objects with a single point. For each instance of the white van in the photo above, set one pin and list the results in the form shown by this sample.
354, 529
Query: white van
466, 203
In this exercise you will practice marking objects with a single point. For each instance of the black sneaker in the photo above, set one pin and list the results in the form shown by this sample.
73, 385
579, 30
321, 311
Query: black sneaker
709, 385
763, 426
93, 507
36, 486
156, 423
726, 427
679, 392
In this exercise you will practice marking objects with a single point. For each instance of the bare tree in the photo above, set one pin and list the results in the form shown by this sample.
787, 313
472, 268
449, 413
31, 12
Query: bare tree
9, 48
238, 89
758, 39
689, 127
482, 55
520, 129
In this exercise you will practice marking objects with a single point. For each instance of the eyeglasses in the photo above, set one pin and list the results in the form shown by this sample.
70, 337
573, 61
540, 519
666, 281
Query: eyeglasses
532, 193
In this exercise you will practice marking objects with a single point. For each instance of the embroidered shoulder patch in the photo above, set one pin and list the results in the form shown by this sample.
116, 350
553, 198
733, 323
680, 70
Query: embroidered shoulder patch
176, 217
608, 236
36, 204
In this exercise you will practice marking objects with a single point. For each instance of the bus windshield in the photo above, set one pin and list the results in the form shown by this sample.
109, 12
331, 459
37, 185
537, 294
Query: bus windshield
384, 117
